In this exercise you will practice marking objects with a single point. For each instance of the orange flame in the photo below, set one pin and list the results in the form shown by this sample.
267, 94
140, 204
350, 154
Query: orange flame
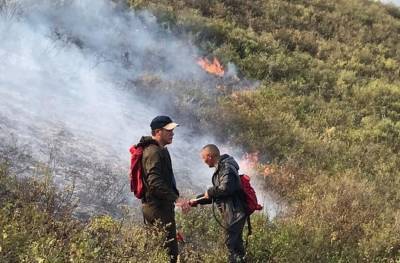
213, 68
268, 170
250, 164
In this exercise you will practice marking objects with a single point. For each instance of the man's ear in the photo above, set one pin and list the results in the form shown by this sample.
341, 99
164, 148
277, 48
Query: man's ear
156, 131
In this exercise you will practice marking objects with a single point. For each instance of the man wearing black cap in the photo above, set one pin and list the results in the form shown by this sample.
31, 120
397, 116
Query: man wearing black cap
158, 203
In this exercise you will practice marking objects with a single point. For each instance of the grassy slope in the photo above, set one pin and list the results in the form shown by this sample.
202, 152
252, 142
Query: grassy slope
327, 111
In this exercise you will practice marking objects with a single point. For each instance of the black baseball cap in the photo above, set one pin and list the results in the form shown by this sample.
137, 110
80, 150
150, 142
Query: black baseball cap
164, 122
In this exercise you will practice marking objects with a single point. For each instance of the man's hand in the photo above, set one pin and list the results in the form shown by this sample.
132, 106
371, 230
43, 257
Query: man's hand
206, 195
193, 202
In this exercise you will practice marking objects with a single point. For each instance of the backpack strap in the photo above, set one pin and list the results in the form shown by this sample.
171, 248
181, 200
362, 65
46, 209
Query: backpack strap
146, 186
249, 232
144, 174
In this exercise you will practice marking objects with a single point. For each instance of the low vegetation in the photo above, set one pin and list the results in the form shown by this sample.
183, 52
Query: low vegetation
325, 113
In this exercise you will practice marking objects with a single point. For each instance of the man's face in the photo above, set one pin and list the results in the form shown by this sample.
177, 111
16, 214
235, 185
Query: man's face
207, 158
166, 136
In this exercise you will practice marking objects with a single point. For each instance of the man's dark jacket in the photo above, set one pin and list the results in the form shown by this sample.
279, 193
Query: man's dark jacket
160, 186
160, 191
227, 190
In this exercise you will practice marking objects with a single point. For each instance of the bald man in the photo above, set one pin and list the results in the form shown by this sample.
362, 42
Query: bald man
227, 193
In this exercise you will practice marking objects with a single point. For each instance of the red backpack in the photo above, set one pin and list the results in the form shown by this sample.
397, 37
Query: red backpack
249, 195
250, 199
135, 174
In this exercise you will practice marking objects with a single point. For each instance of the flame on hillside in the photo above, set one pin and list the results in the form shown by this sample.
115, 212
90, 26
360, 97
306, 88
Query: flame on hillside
250, 164
213, 67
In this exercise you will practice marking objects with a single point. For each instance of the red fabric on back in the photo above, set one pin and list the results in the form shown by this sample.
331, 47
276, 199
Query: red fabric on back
250, 195
135, 175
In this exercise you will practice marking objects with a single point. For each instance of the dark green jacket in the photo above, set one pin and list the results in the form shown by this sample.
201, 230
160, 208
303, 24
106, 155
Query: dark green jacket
227, 190
160, 185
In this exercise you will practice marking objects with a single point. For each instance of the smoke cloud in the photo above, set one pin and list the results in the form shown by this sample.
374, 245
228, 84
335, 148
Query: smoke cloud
66, 73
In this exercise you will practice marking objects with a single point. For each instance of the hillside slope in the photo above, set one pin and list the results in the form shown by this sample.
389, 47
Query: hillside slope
327, 111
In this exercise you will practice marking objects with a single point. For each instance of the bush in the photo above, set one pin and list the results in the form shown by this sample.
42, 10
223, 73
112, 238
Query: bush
31, 232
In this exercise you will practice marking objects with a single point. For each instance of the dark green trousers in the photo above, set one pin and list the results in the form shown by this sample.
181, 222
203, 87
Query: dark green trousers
234, 241
166, 216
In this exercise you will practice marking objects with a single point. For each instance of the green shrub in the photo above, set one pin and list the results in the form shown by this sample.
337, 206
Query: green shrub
31, 232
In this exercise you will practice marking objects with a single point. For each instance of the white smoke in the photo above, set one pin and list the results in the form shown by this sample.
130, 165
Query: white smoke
65, 80
65, 63
395, 2
64, 68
